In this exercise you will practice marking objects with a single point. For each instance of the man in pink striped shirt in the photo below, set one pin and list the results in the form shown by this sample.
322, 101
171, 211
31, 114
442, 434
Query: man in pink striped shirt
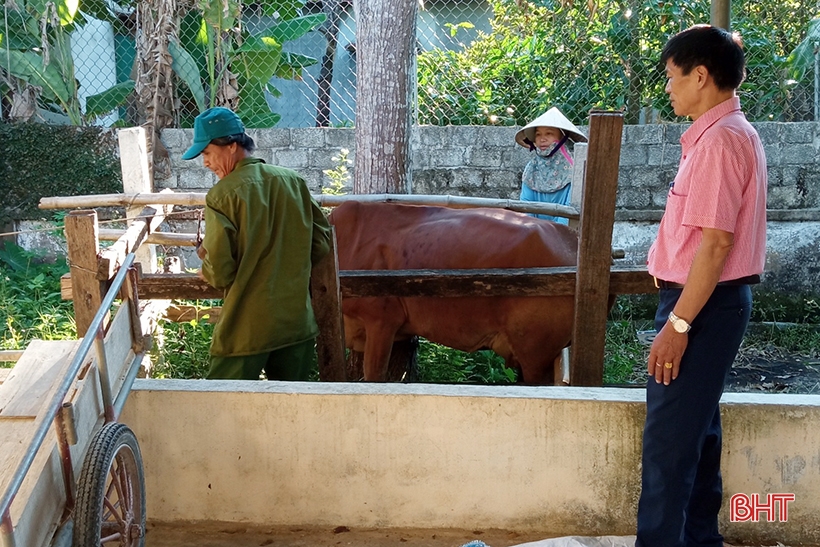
711, 247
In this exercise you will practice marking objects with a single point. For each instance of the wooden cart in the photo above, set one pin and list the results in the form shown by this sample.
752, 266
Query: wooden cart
69, 473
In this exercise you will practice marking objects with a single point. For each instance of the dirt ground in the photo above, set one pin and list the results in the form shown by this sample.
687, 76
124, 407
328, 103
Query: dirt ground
182, 535
773, 371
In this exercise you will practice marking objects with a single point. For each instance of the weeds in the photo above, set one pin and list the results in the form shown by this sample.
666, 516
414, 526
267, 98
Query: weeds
439, 364
30, 303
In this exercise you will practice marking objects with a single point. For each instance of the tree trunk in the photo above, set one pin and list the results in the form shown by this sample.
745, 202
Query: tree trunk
385, 45
156, 25
333, 10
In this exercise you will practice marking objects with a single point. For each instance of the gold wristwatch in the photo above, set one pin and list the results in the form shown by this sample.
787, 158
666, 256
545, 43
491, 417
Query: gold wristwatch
680, 325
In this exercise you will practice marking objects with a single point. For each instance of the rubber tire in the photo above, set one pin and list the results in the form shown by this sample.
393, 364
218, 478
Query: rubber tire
112, 440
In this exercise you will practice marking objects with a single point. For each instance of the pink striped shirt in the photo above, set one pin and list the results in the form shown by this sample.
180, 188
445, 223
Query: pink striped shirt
721, 183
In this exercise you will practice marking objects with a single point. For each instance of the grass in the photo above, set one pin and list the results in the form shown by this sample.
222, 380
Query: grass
31, 308
181, 349
30, 303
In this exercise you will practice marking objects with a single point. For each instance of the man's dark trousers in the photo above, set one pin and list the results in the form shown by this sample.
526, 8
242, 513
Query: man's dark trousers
681, 483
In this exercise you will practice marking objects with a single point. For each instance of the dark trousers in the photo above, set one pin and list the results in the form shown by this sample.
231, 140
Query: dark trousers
681, 489
289, 363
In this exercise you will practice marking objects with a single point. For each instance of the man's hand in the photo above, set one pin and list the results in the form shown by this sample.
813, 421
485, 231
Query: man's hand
666, 353
200, 251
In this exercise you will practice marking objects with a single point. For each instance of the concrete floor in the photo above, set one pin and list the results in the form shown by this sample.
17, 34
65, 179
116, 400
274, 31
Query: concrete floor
237, 535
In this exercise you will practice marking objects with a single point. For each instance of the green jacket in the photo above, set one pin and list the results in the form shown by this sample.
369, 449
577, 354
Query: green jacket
262, 232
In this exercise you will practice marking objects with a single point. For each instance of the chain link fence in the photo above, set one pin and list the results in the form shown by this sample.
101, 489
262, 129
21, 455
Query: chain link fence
480, 62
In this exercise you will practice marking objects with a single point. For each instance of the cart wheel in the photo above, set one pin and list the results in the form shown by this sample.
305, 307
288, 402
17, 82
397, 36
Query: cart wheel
111, 491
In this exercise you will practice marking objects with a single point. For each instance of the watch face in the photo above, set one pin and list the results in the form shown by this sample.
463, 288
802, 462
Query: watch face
679, 326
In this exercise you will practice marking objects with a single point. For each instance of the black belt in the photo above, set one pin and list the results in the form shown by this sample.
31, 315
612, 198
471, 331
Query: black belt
748, 280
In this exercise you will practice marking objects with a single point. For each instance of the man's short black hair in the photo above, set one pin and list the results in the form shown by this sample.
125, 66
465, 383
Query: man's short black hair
719, 50
242, 139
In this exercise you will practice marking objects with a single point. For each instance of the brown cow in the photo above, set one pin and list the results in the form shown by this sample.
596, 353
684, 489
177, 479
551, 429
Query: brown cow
529, 332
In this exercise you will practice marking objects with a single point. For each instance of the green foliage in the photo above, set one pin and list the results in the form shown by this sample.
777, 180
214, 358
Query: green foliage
37, 50
786, 307
182, 349
30, 303
624, 356
581, 55
439, 364
340, 175
797, 339
210, 48
38, 160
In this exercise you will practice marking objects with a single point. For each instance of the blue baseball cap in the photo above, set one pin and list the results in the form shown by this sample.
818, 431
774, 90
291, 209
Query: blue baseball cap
212, 124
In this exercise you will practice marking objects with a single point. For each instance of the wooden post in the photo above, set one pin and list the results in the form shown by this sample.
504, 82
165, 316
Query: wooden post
136, 179
579, 157
83, 247
327, 306
595, 248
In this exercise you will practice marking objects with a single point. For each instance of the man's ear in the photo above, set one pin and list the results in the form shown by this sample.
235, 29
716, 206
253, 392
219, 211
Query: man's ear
702, 74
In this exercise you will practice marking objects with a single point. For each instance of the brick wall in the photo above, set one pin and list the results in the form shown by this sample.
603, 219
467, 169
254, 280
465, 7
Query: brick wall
486, 162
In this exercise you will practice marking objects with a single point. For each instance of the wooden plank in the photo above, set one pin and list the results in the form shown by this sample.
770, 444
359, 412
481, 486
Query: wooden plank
579, 156
40, 502
15, 435
594, 248
160, 238
327, 306
83, 248
4, 373
41, 499
10, 355
132, 238
118, 342
182, 314
364, 283
24, 392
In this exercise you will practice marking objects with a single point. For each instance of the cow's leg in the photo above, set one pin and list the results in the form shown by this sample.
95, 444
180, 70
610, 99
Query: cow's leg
377, 348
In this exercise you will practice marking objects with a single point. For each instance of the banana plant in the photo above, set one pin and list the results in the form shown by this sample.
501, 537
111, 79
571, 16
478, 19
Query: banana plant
36, 49
217, 50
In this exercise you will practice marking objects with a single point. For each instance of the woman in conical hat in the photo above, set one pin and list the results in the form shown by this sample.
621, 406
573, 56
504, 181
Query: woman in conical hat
547, 176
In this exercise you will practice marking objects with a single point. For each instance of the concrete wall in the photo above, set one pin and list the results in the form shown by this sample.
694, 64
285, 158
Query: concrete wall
485, 162
559, 461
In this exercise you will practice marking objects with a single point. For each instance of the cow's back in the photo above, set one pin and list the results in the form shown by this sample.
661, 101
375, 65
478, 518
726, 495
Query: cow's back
392, 236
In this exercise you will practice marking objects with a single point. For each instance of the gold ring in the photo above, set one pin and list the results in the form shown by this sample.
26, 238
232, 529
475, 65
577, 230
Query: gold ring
668, 365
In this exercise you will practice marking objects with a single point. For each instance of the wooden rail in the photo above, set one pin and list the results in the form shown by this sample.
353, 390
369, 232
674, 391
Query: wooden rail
415, 283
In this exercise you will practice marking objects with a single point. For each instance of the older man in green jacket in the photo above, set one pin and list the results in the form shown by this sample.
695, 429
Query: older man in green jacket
263, 231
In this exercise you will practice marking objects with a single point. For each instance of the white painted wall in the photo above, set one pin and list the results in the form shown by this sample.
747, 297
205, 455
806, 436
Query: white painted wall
562, 461
95, 66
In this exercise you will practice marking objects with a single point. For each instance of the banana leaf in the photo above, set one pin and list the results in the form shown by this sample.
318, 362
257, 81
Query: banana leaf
28, 66
108, 100
292, 29
258, 58
802, 58
291, 65
23, 31
283, 9
220, 14
187, 70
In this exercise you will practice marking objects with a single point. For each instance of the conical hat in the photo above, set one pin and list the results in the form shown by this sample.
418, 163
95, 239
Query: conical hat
551, 118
